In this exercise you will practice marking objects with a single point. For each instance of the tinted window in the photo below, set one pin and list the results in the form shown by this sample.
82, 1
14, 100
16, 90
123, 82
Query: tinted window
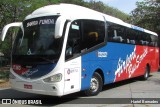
93, 33
121, 34
83, 35
116, 33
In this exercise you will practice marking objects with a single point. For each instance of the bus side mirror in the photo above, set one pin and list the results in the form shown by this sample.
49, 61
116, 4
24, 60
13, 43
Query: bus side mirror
59, 26
5, 29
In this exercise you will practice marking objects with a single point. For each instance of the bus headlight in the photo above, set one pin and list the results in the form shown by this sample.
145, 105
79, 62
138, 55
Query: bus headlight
54, 78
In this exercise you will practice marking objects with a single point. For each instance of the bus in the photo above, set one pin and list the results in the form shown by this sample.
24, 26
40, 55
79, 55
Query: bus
64, 48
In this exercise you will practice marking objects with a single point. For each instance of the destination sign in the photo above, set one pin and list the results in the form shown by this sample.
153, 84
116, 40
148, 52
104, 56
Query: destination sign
40, 22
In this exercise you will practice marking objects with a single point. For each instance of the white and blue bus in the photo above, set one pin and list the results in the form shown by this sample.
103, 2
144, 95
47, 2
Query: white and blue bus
64, 48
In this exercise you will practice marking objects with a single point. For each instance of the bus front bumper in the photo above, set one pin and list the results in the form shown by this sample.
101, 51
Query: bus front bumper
37, 88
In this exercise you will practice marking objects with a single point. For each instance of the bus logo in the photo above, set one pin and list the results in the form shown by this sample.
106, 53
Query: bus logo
71, 70
68, 71
102, 54
131, 64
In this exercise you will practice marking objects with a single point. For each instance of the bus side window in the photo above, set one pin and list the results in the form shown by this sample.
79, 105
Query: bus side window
93, 33
154, 41
132, 36
116, 33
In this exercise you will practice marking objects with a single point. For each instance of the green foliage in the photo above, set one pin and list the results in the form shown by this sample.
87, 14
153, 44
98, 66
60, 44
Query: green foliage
147, 15
101, 7
4, 75
17, 10
78, 2
116, 13
5, 47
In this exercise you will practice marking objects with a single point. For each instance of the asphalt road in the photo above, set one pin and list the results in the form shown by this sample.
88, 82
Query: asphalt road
113, 95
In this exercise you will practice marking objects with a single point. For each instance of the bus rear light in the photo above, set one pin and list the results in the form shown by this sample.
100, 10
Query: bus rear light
54, 78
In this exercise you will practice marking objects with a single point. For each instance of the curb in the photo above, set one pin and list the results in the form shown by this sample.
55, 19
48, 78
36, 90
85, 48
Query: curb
5, 88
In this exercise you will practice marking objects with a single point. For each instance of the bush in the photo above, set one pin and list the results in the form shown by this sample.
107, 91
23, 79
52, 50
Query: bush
4, 75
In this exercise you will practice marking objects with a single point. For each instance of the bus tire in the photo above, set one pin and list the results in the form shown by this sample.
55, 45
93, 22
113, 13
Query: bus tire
146, 74
95, 85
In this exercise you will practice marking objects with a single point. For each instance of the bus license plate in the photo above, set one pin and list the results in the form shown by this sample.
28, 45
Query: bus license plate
27, 86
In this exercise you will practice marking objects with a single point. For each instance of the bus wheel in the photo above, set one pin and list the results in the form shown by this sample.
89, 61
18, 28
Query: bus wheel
146, 74
95, 85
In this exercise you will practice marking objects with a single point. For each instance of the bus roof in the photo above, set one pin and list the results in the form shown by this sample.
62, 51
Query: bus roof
73, 12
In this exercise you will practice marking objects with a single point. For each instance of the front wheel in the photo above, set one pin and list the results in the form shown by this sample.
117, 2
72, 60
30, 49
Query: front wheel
95, 85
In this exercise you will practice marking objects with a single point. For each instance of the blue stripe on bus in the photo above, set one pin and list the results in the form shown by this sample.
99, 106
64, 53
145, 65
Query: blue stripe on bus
106, 59
38, 71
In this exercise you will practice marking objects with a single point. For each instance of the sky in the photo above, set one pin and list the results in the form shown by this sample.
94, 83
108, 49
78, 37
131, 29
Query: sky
125, 6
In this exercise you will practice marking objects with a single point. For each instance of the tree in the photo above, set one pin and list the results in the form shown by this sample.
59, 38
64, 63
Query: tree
77, 2
147, 15
101, 7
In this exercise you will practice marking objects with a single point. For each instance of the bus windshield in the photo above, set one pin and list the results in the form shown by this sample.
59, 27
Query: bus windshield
38, 40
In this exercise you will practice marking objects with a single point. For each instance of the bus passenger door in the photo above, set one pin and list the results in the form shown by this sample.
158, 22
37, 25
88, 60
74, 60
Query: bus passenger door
72, 79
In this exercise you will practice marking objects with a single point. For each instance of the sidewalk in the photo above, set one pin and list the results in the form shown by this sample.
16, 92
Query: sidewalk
4, 75
4, 85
